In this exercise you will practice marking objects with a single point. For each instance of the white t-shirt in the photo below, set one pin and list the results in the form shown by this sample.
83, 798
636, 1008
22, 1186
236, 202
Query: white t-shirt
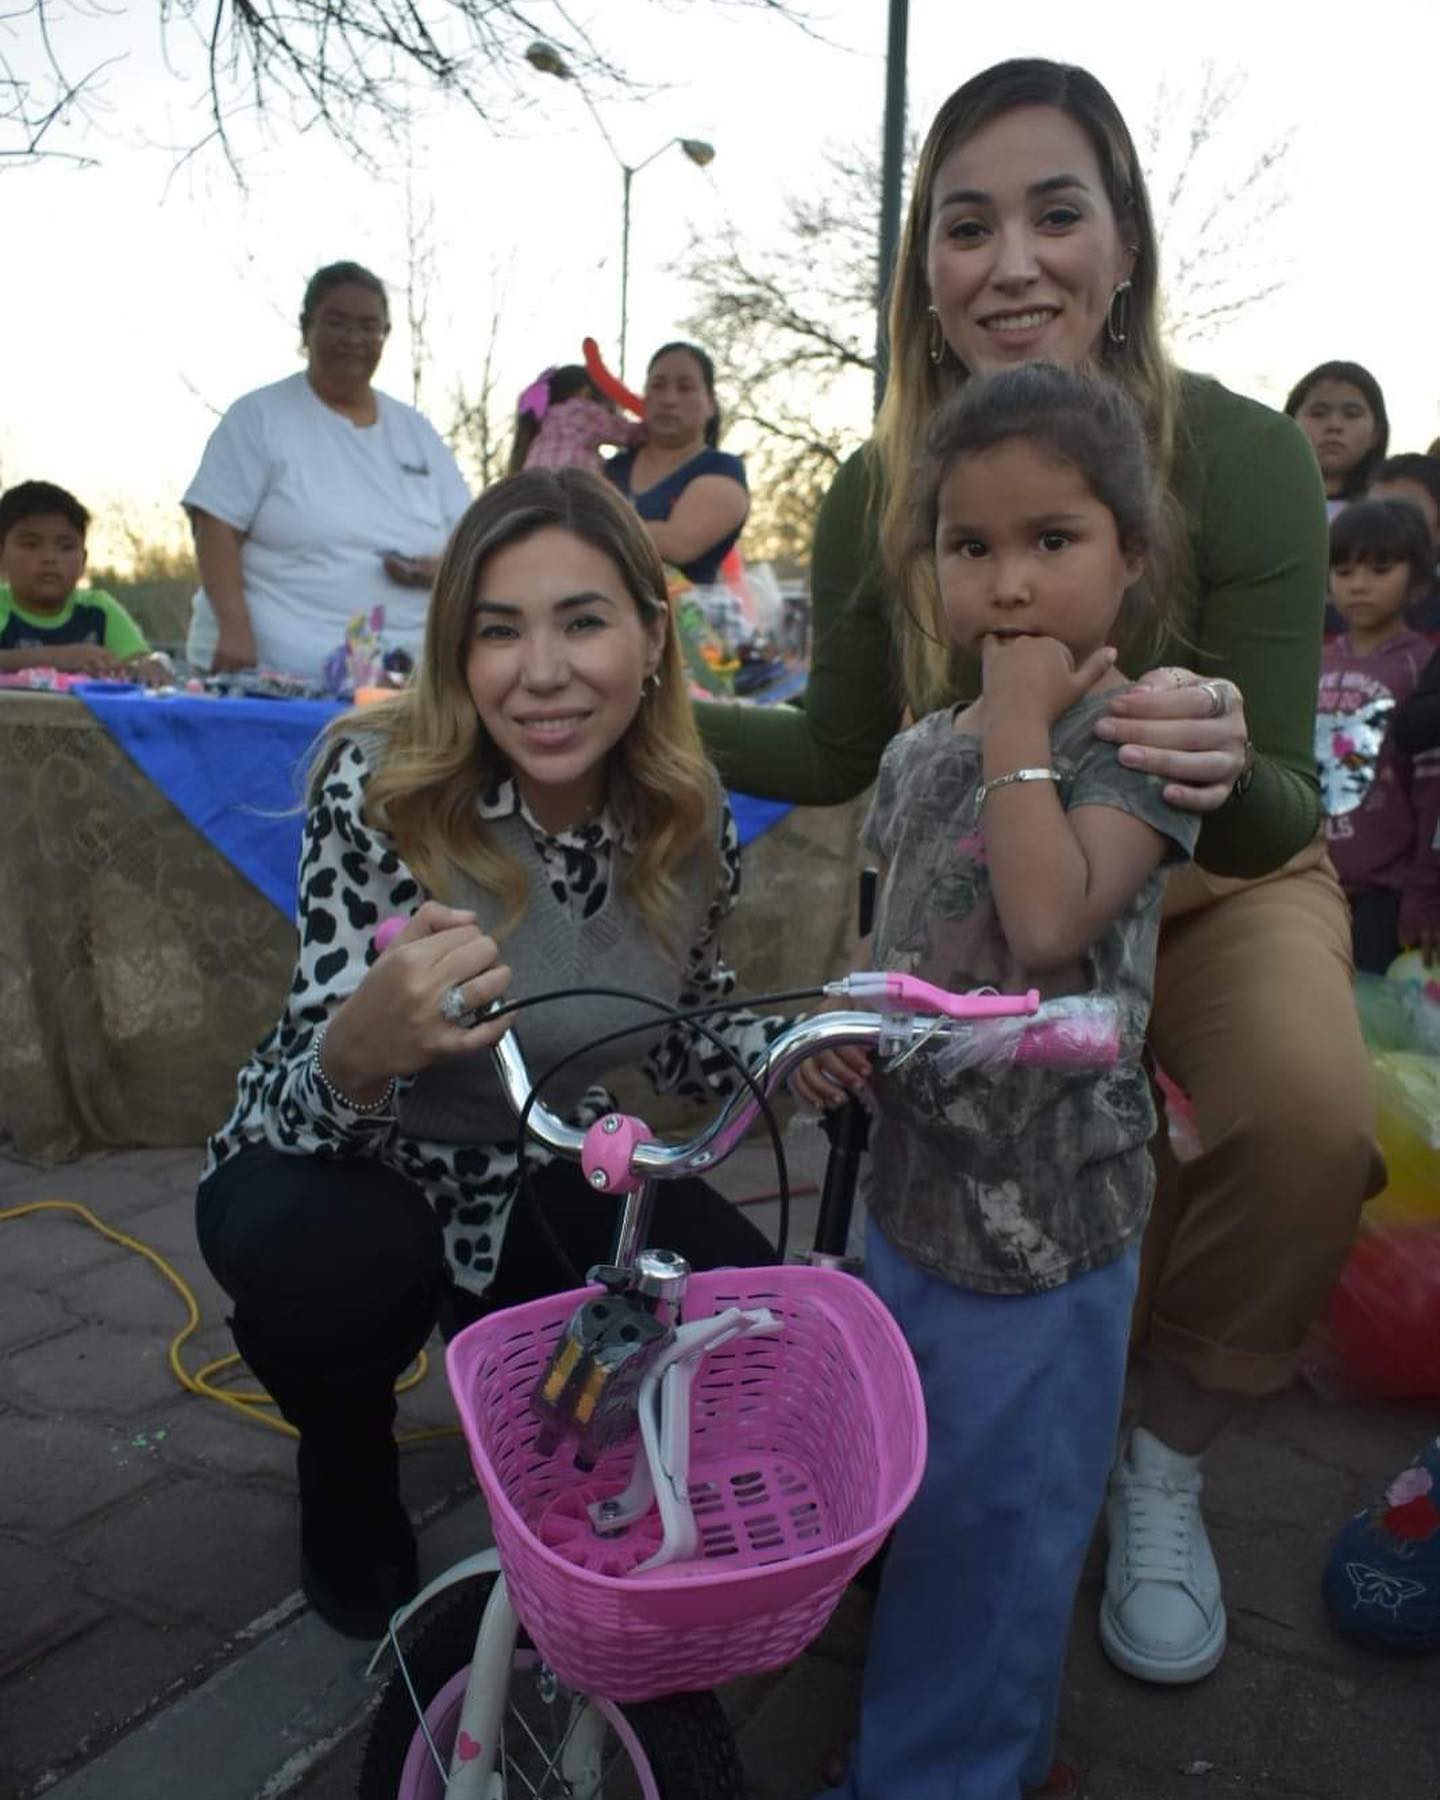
321, 500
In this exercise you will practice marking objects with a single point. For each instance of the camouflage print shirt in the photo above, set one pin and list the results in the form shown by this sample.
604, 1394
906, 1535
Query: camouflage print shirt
1009, 1180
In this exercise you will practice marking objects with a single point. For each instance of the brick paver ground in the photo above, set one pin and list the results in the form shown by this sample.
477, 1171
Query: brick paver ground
147, 1564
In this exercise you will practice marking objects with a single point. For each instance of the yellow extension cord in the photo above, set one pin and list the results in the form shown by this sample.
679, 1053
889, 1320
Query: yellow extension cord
249, 1406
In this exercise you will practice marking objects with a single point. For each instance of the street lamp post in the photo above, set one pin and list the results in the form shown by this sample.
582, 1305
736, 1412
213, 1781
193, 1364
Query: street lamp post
548, 60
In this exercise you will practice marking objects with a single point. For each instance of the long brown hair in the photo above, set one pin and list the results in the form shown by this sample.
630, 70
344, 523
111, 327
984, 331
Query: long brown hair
916, 387
439, 761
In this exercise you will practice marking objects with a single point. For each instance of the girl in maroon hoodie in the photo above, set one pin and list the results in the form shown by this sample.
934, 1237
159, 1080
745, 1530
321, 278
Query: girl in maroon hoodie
1379, 563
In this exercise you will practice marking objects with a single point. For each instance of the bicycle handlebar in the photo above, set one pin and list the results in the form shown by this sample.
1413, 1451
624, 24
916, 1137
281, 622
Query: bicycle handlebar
972, 1031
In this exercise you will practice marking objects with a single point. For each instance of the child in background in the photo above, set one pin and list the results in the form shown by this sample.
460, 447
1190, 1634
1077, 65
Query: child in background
1340, 408
45, 623
562, 421
1006, 1208
1416, 478
1380, 560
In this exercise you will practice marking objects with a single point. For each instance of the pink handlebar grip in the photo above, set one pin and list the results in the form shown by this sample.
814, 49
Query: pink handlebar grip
387, 931
924, 996
1074, 1043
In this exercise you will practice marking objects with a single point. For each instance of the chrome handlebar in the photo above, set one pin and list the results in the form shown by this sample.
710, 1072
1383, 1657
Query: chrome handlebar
667, 1162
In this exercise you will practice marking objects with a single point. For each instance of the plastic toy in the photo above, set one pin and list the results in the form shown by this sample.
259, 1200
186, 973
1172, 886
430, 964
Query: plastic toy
610, 385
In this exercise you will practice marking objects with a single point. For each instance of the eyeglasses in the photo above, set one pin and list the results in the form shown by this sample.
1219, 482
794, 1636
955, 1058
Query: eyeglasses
338, 325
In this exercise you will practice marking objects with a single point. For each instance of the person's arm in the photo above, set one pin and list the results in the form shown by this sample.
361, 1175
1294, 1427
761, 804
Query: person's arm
683, 1061
70, 659
1059, 878
383, 1018
1415, 723
1260, 570
217, 554
711, 508
827, 749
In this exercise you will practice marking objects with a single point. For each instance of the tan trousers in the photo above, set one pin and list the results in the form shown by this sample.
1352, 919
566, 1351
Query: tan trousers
1254, 1018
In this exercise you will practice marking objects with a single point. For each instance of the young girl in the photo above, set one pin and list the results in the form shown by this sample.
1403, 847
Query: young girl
563, 419
541, 784
1006, 1208
1340, 408
1375, 796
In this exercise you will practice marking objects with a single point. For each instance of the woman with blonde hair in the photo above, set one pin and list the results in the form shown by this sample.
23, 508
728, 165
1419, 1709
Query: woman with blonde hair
1030, 236
539, 796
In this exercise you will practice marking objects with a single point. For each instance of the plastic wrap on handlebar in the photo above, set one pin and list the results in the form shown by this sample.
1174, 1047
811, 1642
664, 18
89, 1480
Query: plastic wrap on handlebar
1078, 1032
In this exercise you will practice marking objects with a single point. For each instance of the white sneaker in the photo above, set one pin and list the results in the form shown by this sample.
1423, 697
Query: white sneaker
1162, 1618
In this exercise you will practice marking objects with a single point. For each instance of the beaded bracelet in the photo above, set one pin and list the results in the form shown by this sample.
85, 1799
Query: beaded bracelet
344, 1100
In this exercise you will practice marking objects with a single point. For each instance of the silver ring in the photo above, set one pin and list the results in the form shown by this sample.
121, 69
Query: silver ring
1219, 694
453, 1007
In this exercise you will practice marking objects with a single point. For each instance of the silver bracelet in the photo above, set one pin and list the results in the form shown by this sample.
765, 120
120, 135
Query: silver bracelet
987, 788
370, 1106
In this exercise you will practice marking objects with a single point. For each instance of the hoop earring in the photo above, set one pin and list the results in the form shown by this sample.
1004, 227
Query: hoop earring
937, 338
1117, 313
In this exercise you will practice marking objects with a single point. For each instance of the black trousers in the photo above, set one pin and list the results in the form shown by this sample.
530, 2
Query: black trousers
1374, 927
337, 1269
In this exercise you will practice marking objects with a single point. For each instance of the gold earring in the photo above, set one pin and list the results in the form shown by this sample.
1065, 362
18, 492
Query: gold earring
937, 338
1117, 313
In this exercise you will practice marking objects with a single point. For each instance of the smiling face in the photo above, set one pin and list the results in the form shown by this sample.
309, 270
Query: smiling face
1023, 548
1024, 251
556, 666
42, 559
345, 338
678, 405
1337, 419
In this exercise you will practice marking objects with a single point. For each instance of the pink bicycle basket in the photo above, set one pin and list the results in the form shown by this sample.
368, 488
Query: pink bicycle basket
806, 1447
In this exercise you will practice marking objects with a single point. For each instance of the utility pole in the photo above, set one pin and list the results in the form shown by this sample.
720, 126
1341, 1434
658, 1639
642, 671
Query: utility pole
891, 174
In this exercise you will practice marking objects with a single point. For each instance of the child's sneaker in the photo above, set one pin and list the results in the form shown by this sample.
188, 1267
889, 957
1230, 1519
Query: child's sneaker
1382, 1584
1161, 1618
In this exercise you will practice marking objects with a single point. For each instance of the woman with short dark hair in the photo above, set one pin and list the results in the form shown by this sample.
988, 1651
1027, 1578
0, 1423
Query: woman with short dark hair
318, 498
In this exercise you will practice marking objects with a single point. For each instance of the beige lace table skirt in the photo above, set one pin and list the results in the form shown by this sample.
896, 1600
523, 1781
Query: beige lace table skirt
139, 967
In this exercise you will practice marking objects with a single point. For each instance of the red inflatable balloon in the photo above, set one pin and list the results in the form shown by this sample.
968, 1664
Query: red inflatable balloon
608, 383
1383, 1321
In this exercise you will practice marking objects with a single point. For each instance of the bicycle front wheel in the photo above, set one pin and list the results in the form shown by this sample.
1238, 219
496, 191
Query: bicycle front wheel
555, 1744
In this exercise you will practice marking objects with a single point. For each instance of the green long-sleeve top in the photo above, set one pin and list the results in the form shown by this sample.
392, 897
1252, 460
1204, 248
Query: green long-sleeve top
1251, 491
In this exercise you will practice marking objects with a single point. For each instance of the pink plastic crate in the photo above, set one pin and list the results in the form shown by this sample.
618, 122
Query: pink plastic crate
806, 1448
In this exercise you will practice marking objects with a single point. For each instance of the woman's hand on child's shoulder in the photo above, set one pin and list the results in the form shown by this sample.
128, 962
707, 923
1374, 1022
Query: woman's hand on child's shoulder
1038, 675
833, 1076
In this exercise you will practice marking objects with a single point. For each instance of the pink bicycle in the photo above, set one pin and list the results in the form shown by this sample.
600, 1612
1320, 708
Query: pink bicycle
683, 1471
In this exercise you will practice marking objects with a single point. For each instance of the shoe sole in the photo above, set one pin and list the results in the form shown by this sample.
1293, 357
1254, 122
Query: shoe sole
1132, 1661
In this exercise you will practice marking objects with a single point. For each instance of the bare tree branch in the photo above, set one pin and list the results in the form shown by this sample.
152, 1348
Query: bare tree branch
356, 69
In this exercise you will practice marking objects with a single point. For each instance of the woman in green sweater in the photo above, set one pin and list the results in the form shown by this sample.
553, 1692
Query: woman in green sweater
1030, 235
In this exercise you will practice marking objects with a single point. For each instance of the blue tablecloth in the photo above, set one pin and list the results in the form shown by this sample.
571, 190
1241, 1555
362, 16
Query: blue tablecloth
236, 769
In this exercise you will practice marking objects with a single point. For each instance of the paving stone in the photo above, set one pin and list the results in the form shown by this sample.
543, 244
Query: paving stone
192, 1549
198, 1436
42, 1608
60, 1471
95, 1371
808, 1713
66, 1706
45, 1250
132, 1294
26, 1316
169, 1228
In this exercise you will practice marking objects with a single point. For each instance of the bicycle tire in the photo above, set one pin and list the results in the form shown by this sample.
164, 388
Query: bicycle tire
684, 1740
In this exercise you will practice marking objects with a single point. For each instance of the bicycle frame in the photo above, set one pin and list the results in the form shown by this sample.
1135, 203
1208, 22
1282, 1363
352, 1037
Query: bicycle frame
620, 1156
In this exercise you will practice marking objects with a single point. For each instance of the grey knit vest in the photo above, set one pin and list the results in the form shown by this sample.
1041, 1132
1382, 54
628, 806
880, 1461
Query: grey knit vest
460, 1102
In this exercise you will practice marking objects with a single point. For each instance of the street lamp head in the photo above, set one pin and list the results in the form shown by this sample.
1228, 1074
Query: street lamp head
699, 152
548, 60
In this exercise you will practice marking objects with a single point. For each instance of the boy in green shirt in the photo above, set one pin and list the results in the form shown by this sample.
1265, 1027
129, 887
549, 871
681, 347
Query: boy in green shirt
44, 622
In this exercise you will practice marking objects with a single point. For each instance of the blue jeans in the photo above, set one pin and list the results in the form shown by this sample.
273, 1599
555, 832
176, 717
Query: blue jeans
967, 1648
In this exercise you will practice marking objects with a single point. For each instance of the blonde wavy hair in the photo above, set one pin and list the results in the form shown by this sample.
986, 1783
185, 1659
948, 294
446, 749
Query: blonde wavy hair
916, 387
439, 761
